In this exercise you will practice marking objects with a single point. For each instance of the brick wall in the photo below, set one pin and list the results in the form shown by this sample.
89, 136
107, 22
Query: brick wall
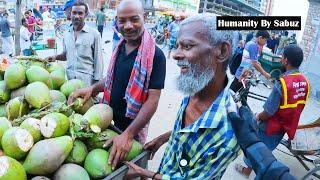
311, 28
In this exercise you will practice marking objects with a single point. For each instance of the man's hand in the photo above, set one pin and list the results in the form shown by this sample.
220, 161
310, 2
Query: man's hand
267, 75
84, 93
245, 73
121, 145
134, 171
154, 145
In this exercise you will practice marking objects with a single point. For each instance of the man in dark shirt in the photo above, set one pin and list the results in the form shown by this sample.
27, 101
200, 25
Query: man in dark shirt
129, 58
273, 42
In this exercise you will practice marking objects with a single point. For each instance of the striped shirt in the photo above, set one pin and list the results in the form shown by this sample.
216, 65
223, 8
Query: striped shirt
208, 145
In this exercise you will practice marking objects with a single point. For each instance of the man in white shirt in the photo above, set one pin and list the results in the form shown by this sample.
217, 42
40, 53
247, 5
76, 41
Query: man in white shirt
25, 35
46, 14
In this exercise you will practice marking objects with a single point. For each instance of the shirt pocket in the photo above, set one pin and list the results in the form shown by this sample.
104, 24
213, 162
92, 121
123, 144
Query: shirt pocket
84, 49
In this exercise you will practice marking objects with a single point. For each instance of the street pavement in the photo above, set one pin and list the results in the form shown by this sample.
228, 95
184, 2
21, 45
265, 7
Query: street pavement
164, 118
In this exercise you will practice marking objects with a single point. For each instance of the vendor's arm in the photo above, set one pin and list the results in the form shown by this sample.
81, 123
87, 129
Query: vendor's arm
87, 92
122, 143
60, 57
272, 104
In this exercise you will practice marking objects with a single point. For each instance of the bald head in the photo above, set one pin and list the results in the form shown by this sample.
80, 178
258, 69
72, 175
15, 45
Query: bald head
131, 4
130, 20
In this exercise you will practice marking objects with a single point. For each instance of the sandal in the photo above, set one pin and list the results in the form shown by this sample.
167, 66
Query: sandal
242, 170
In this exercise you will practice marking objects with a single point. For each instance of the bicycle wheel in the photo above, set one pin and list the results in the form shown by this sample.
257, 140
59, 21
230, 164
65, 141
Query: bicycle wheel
275, 73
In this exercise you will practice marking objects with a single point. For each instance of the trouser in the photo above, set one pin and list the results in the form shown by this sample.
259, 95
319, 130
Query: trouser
7, 45
100, 29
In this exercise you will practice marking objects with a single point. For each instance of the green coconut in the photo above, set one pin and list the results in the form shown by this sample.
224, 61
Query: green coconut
15, 76
5, 124
78, 154
58, 78
99, 117
16, 142
37, 73
81, 107
54, 125
4, 93
96, 163
37, 63
135, 150
37, 95
11, 169
18, 92
3, 112
57, 96
71, 172
70, 86
33, 126
98, 140
54, 66
46, 156
16, 107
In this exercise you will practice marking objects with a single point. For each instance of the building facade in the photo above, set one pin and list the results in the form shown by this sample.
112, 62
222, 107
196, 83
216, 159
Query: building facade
233, 7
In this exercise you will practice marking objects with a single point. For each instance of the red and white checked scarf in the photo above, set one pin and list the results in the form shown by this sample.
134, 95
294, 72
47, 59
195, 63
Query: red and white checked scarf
137, 90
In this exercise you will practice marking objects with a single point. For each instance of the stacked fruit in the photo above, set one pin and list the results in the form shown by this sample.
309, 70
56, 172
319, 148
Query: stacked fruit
43, 136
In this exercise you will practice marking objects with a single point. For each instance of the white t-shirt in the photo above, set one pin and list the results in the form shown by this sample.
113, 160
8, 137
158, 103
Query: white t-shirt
46, 15
25, 35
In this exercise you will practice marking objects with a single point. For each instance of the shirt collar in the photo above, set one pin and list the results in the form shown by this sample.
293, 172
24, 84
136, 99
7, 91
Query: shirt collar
291, 71
212, 117
84, 29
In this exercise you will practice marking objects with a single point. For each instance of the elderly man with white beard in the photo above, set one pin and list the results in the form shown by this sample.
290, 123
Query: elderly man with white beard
202, 142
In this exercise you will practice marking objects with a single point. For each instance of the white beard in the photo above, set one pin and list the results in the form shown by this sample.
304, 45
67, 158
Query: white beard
195, 79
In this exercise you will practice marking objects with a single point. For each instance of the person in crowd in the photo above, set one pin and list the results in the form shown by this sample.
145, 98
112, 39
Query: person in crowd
31, 21
116, 34
134, 80
173, 29
293, 39
81, 48
100, 20
7, 39
283, 107
25, 35
250, 57
272, 43
202, 143
283, 41
67, 8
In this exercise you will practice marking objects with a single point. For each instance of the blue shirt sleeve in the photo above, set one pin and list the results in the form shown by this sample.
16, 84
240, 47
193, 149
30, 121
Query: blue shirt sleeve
272, 104
253, 50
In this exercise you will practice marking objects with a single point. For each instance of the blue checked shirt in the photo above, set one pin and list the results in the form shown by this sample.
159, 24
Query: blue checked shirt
208, 145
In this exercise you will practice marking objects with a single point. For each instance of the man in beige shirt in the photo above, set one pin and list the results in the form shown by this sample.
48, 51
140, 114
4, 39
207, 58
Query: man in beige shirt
81, 48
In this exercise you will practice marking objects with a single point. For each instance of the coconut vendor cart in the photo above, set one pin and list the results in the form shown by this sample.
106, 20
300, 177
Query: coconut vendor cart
271, 63
42, 137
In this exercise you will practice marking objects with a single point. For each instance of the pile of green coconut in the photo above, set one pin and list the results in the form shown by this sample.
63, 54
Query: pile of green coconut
41, 137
